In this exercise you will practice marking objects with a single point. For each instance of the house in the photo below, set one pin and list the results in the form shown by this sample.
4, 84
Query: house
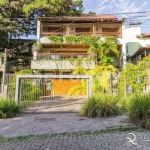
57, 54
17, 59
141, 47
54, 57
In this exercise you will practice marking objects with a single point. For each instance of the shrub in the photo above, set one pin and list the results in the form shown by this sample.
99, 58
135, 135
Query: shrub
139, 110
8, 108
100, 106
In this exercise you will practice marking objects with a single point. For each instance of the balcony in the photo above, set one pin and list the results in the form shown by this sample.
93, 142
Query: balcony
44, 35
62, 61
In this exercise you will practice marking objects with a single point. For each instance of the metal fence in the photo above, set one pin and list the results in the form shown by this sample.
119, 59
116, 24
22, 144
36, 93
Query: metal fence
51, 93
42, 93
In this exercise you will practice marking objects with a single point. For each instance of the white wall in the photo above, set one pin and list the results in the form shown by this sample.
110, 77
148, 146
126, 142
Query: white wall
38, 31
130, 33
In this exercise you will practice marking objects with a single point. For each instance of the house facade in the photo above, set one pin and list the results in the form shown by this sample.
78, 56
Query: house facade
137, 44
55, 56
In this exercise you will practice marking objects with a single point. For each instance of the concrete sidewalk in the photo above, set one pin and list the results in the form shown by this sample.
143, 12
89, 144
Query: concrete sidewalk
35, 124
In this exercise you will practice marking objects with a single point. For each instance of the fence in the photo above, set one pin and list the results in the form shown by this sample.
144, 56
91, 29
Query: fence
117, 84
40, 93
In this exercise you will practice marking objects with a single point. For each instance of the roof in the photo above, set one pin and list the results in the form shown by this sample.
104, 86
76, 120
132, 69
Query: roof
143, 35
83, 18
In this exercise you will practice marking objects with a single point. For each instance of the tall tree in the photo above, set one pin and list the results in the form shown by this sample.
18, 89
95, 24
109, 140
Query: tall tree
18, 17
48, 8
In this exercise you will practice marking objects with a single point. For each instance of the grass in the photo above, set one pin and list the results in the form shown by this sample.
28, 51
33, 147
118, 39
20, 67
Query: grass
139, 110
8, 108
100, 106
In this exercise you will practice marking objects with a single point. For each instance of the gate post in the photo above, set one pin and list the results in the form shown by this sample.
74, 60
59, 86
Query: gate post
89, 87
18, 90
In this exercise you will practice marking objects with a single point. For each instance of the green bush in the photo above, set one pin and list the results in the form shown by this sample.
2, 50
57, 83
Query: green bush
8, 108
100, 106
139, 110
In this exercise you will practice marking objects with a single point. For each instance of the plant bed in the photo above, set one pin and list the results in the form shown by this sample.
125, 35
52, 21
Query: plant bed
139, 110
8, 108
100, 106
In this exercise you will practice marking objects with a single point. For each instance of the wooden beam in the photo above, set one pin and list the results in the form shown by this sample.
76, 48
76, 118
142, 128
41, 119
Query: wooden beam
67, 30
94, 29
120, 30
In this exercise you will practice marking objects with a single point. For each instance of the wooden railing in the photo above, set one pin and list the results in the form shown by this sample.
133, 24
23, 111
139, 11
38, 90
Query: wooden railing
62, 55
117, 34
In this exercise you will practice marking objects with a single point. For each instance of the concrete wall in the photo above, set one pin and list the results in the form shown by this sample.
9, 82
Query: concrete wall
60, 64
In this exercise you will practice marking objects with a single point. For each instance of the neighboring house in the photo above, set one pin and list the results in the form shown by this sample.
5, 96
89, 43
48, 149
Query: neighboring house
18, 60
139, 48
93, 25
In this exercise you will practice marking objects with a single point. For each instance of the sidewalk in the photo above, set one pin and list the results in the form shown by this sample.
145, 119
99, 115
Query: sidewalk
36, 124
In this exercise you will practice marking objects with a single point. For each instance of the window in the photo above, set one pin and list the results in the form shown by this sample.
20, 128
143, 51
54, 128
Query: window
109, 29
82, 29
55, 30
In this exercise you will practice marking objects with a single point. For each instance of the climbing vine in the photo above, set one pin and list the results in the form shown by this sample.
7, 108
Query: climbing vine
55, 39
136, 76
103, 49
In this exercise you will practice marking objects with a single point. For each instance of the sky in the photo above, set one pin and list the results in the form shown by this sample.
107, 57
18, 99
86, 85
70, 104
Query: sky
121, 6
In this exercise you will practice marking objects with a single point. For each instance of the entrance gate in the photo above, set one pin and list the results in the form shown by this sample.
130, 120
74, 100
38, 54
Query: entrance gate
52, 93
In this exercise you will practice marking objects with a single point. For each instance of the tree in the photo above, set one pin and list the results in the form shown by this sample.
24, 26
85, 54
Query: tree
18, 17
50, 8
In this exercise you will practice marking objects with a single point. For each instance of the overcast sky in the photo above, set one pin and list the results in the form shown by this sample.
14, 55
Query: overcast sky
120, 6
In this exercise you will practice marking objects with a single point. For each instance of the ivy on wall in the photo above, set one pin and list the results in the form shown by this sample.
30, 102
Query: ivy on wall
55, 39
104, 49
136, 76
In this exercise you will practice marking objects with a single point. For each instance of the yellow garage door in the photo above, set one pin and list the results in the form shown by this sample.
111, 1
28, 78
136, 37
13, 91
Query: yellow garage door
60, 86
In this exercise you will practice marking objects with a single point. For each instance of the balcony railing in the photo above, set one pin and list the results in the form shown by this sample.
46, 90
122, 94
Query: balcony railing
56, 56
117, 34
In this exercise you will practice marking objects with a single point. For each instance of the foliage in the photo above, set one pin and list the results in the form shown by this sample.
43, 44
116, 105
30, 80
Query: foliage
8, 108
18, 17
139, 110
55, 39
100, 77
30, 90
100, 106
82, 39
54, 7
37, 47
106, 50
135, 76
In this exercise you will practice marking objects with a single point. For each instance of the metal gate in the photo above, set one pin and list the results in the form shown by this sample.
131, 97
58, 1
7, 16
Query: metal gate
52, 93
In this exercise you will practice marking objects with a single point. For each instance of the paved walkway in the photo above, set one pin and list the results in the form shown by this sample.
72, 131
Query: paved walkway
35, 124
79, 141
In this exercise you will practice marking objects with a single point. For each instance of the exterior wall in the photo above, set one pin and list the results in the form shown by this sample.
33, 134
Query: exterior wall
95, 29
132, 47
60, 64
